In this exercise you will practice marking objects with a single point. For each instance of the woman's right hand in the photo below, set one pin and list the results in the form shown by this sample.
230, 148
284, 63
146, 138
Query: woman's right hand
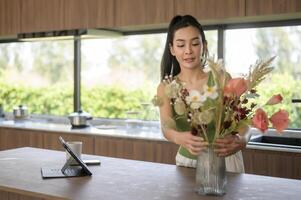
194, 144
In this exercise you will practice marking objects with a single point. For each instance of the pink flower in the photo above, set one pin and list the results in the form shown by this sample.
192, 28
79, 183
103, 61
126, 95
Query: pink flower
280, 120
236, 86
274, 99
260, 120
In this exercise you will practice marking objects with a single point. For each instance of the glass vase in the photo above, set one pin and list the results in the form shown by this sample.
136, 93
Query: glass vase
210, 173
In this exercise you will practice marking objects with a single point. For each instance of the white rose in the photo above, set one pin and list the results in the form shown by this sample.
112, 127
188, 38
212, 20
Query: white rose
195, 99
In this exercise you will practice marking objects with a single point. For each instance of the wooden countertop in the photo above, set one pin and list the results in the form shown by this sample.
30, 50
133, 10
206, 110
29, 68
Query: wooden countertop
126, 179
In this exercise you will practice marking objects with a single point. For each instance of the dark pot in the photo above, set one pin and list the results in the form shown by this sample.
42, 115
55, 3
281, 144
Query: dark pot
20, 112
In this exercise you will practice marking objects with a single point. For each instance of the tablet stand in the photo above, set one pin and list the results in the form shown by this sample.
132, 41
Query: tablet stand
67, 164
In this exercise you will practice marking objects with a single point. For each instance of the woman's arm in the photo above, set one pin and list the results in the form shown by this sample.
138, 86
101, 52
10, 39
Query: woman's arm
192, 143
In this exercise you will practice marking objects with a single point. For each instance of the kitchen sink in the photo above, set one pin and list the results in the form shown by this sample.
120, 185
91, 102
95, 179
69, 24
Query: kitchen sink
276, 141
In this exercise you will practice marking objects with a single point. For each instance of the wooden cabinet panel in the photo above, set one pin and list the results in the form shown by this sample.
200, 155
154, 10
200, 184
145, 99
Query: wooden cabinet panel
297, 166
88, 13
143, 12
42, 15
15, 138
114, 147
9, 17
270, 7
144, 150
51, 141
210, 9
36, 140
153, 151
45, 15
9, 140
272, 163
166, 152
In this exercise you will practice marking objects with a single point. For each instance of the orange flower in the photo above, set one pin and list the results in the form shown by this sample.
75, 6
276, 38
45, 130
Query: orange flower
274, 99
260, 120
236, 86
280, 120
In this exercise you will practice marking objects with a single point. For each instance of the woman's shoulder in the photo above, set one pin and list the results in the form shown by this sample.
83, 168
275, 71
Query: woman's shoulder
161, 87
160, 98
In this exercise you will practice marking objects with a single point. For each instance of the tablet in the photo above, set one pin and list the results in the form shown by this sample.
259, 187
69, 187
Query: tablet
67, 170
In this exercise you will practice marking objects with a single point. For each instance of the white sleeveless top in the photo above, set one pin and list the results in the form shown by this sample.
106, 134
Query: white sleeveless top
234, 162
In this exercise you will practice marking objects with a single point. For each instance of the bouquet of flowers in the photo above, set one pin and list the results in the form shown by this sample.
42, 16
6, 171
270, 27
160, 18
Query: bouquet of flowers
225, 105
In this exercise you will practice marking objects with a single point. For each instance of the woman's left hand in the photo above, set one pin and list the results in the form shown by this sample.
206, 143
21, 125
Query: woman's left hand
229, 145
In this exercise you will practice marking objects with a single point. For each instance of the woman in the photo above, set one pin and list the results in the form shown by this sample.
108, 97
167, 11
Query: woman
185, 48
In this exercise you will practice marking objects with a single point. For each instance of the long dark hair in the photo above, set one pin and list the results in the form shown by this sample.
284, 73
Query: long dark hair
168, 60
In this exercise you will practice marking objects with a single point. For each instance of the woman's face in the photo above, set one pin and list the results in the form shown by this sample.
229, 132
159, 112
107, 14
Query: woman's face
187, 47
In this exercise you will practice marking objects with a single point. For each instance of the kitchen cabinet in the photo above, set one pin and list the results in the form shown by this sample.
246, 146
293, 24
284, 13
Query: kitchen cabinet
54, 15
15, 138
143, 12
88, 14
42, 15
272, 163
17, 16
9, 17
129, 148
211, 9
51, 141
136, 149
272, 7
257, 161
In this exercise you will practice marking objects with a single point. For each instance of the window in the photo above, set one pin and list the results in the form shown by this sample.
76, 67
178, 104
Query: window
120, 76
244, 46
38, 75
211, 37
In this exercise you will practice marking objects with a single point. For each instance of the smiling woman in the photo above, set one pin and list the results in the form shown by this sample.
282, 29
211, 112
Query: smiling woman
188, 47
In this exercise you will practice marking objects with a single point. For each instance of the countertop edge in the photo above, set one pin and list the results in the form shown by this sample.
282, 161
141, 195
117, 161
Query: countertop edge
269, 148
88, 131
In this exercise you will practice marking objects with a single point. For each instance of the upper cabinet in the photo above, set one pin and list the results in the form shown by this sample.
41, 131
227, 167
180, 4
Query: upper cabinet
89, 14
143, 12
45, 15
272, 7
9, 17
211, 9
42, 15
23, 16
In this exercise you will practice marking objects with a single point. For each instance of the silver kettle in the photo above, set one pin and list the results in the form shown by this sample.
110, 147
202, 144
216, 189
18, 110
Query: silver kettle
79, 119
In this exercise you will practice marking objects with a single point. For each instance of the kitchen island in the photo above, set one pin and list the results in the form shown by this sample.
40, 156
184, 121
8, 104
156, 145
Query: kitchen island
20, 178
